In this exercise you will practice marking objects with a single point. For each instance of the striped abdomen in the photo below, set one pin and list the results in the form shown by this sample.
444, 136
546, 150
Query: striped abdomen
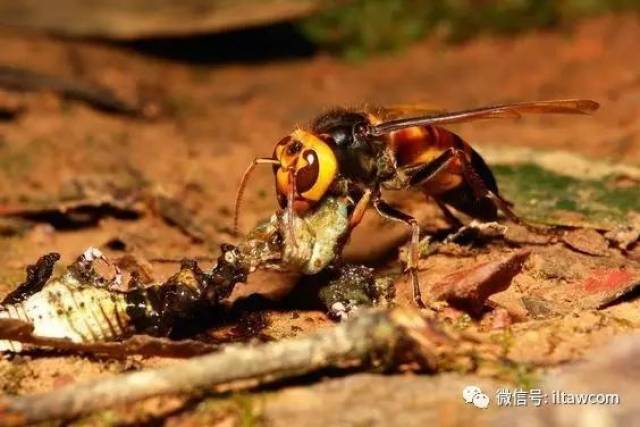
417, 146
421, 145
77, 306
65, 308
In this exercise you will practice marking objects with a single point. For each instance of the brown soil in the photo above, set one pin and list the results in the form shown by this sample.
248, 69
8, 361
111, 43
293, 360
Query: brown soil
218, 117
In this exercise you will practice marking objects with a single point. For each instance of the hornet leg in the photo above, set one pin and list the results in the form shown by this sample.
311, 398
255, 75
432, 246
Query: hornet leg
393, 214
480, 189
448, 215
360, 209
455, 160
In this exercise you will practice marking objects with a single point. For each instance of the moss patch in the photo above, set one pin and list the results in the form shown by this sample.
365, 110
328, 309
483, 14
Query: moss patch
244, 409
357, 28
546, 197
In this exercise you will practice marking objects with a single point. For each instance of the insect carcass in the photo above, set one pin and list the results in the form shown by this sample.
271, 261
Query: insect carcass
83, 306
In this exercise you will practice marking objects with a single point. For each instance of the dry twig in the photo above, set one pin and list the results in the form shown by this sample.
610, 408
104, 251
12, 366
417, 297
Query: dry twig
145, 345
373, 335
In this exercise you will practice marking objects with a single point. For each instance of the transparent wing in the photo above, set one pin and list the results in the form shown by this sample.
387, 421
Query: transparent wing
403, 111
566, 106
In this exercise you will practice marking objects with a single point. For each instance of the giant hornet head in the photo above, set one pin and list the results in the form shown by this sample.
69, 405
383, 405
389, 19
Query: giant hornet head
304, 165
306, 168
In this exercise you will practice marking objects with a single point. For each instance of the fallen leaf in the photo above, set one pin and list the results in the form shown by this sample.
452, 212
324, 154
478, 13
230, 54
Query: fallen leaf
598, 287
520, 234
471, 287
606, 285
587, 241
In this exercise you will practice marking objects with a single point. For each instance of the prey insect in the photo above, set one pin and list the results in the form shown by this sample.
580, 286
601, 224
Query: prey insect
84, 306
358, 153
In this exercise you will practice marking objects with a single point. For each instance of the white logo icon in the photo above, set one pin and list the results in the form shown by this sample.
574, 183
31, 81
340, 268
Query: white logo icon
469, 391
473, 394
481, 401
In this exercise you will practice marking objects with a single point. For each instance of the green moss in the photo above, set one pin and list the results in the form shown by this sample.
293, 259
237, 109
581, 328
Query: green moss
245, 408
248, 410
106, 418
521, 375
543, 196
504, 338
359, 27
462, 322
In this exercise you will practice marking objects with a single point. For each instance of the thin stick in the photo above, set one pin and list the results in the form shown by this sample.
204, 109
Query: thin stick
355, 341
145, 345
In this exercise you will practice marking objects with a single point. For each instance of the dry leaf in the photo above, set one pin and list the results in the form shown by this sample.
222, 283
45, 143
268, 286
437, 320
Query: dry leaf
587, 241
470, 288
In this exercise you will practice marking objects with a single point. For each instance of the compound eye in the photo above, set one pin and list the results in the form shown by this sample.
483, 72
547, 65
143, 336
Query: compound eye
280, 147
318, 172
294, 148
307, 176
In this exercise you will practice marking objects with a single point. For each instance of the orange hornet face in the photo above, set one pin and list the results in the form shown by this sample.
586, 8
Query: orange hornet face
308, 163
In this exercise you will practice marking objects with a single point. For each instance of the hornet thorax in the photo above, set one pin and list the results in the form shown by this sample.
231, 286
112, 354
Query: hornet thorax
361, 157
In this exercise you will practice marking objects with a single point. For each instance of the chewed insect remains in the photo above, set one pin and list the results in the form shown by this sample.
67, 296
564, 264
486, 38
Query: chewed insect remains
356, 154
85, 306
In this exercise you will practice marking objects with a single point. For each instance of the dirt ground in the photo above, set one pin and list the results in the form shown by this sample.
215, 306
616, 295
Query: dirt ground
214, 118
